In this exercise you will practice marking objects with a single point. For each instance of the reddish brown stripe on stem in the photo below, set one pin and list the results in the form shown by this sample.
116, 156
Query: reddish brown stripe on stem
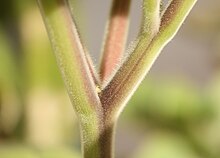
89, 61
170, 12
115, 37
92, 70
83, 60
66, 37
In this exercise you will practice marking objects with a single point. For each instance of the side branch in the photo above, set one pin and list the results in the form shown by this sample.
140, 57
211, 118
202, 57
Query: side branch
116, 35
73, 7
151, 17
126, 80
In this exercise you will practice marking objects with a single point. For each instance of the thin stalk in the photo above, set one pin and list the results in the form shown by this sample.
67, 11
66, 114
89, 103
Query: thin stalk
151, 18
93, 71
73, 6
115, 40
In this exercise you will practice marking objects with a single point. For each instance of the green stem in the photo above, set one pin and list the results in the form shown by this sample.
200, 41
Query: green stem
75, 71
107, 139
101, 146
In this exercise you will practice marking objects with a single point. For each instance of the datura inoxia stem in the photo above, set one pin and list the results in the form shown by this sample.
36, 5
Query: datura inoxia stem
98, 104
149, 44
116, 36
75, 71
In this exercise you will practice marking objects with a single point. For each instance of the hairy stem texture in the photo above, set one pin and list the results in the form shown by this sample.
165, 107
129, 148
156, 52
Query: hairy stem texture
75, 71
116, 35
98, 107
149, 45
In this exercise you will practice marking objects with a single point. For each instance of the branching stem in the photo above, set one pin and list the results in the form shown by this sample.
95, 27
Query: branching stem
116, 35
98, 108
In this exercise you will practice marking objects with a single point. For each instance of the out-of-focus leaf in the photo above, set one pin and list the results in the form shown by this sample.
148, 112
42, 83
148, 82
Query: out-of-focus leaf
14, 151
164, 145
9, 101
171, 101
60, 153
39, 62
7, 61
209, 132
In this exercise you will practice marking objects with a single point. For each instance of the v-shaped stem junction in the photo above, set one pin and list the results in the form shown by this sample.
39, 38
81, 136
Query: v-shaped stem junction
99, 99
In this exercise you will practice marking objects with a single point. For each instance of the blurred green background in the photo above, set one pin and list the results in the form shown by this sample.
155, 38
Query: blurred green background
174, 113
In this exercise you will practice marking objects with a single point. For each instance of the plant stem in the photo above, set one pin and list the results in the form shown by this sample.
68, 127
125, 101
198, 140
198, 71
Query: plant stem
115, 38
89, 143
75, 71
101, 146
107, 139
98, 108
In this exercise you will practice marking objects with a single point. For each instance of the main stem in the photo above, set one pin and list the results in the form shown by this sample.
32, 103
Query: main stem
107, 140
103, 145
